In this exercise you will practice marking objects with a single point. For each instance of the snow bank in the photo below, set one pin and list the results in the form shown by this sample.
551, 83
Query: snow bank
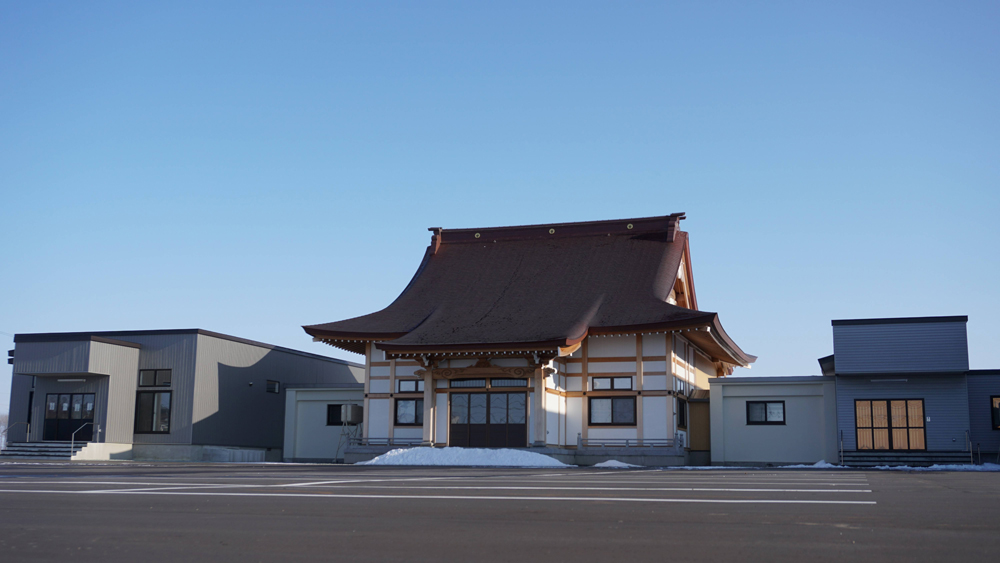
983, 467
465, 456
822, 464
615, 464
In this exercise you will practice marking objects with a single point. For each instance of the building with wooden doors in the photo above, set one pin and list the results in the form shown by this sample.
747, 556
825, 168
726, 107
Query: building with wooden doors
581, 338
158, 394
895, 391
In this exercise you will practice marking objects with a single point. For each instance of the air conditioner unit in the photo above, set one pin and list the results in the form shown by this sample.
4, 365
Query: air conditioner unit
351, 414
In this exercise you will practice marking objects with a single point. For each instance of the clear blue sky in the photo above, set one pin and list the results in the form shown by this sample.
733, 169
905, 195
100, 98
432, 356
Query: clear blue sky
251, 167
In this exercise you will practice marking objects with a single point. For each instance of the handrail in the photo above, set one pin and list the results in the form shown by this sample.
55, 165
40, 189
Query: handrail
27, 434
842, 447
72, 439
627, 442
385, 441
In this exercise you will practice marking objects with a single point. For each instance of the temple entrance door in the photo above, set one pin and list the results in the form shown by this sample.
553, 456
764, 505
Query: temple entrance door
489, 420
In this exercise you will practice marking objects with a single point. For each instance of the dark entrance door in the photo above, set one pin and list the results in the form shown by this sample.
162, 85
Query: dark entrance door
66, 413
489, 420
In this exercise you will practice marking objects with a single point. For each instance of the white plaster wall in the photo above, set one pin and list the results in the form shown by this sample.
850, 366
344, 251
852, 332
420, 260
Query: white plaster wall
574, 368
598, 433
406, 370
654, 418
574, 419
380, 371
407, 432
379, 417
574, 384
379, 386
610, 346
441, 418
654, 382
654, 345
611, 367
654, 366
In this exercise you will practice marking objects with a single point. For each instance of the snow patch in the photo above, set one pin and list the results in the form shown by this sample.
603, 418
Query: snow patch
822, 464
477, 457
615, 464
983, 467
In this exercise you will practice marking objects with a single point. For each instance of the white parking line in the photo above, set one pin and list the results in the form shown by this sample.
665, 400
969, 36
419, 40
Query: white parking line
456, 497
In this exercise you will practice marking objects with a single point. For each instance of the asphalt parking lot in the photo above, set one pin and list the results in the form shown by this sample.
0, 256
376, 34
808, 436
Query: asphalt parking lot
203, 512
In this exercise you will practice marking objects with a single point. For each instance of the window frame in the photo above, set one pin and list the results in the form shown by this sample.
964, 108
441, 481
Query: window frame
765, 422
170, 420
590, 411
994, 412
156, 377
418, 385
418, 412
611, 383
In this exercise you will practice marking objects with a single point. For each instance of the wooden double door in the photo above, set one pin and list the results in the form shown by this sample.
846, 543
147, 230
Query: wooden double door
66, 413
890, 424
489, 420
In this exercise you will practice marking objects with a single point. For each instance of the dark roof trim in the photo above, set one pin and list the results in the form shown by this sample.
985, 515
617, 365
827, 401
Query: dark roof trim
104, 337
641, 225
71, 337
901, 320
984, 372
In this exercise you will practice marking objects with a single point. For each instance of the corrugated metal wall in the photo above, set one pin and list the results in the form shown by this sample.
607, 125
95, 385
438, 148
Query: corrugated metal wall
946, 404
20, 390
52, 357
228, 411
900, 347
175, 352
121, 364
981, 387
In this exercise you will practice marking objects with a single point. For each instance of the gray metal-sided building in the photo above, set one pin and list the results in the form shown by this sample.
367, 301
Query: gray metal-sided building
184, 394
903, 394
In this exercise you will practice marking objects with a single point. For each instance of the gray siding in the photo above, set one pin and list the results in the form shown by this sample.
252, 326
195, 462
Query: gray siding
981, 387
121, 365
228, 411
900, 347
175, 352
946, 403
20, 390
52, 357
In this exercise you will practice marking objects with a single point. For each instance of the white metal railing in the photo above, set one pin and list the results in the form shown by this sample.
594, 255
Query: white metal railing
386, 441
6, 432
72, 438
582, 442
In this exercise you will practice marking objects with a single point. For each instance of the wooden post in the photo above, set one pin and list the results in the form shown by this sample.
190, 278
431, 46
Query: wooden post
538, 408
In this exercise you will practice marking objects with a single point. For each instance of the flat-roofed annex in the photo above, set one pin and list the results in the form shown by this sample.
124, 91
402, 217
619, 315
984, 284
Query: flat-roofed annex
540, 288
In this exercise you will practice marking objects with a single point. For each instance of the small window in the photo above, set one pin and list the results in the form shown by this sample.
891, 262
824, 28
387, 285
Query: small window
154, 378
508, 383
410, 386
333, 415
612, 411
765, 412
273, 386
468, 383
409, 412
682, 413
608, 383
152, 412
995, 409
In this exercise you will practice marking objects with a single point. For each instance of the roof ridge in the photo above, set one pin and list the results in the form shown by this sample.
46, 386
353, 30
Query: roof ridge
668, 224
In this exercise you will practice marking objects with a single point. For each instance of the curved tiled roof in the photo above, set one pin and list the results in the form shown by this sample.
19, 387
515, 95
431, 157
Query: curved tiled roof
536, 287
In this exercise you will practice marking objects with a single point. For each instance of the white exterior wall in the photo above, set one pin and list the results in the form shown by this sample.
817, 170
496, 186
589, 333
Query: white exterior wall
808, 435
307, 437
